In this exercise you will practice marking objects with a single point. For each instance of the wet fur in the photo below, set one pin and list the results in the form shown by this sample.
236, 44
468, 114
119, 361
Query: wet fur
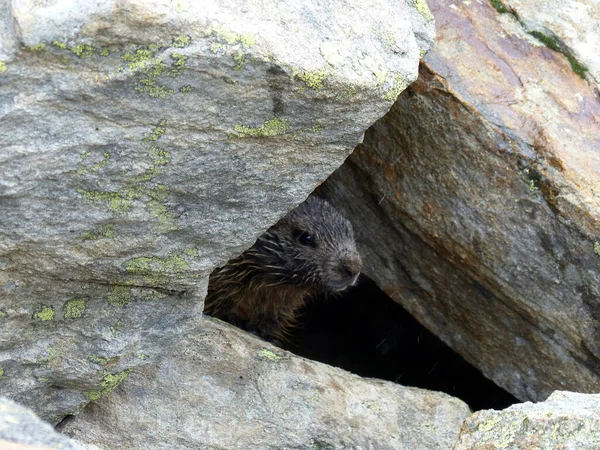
262, 289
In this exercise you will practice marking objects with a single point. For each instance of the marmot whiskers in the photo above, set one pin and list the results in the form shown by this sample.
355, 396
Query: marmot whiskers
310, 251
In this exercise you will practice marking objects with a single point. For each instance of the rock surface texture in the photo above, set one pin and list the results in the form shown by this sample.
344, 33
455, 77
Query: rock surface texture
476, 201
566, 421
223, 388
143, 143
18, 425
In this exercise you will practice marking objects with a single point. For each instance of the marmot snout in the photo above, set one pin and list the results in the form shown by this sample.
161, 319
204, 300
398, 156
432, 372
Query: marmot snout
310, 251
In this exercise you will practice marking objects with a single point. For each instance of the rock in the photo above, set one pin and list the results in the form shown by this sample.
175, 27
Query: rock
570, 27
476, 203
18, 425
146, 142
223, 388
566, 421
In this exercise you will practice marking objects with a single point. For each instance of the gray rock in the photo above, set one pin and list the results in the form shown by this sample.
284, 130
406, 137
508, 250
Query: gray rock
223, 388
476, 203
20, 425
146, 142
566, 421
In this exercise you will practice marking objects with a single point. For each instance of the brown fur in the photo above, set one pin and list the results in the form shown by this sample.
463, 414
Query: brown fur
310, 251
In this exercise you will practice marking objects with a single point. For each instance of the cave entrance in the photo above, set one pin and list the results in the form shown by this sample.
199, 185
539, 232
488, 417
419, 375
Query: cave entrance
365, 332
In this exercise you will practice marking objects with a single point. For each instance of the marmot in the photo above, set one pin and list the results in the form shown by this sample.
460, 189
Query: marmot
311, 251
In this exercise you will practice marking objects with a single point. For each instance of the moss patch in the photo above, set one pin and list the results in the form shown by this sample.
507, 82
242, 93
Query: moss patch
499, 6
45, 313
74, 309
553, 44
108, 384
273, 127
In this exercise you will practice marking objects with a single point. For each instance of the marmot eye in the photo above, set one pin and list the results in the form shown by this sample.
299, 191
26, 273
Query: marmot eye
305, 238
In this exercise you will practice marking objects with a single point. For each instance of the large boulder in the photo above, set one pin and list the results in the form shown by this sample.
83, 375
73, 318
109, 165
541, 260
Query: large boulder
476, 202
222, 388
566, 421
21, 429
143, 143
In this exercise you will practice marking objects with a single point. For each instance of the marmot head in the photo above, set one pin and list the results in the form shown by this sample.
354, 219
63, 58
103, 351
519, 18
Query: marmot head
313, 247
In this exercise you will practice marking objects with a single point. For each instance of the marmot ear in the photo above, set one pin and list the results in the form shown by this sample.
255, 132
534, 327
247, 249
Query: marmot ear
304, 238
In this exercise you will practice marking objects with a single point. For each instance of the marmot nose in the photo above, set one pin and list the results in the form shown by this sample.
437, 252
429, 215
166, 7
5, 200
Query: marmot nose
350, 267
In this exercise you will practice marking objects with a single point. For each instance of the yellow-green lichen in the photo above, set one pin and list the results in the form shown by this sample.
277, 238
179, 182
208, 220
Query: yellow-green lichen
314, 80
191, 252
74, 309
597, 247
179, 62
156, 132
105, 52
240, 59
51, 355
96, 167
149, 85
380, 78
2, 313
101, 360
267, 354
83, 50
182, 41
230, 38
120, 296
106, 231
216, 48
149, 69
115, 201
108, 384
156, 269
37, 48
60, 45
421, 6
144, 357
181, 6
166, 220
2, 376
138, 59
3, 67
273, 127
114, 331
247, 40
399, 84
45, 313
185, 89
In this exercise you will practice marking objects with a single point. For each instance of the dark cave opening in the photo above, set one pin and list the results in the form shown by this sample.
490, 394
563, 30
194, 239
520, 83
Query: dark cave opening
367, 333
